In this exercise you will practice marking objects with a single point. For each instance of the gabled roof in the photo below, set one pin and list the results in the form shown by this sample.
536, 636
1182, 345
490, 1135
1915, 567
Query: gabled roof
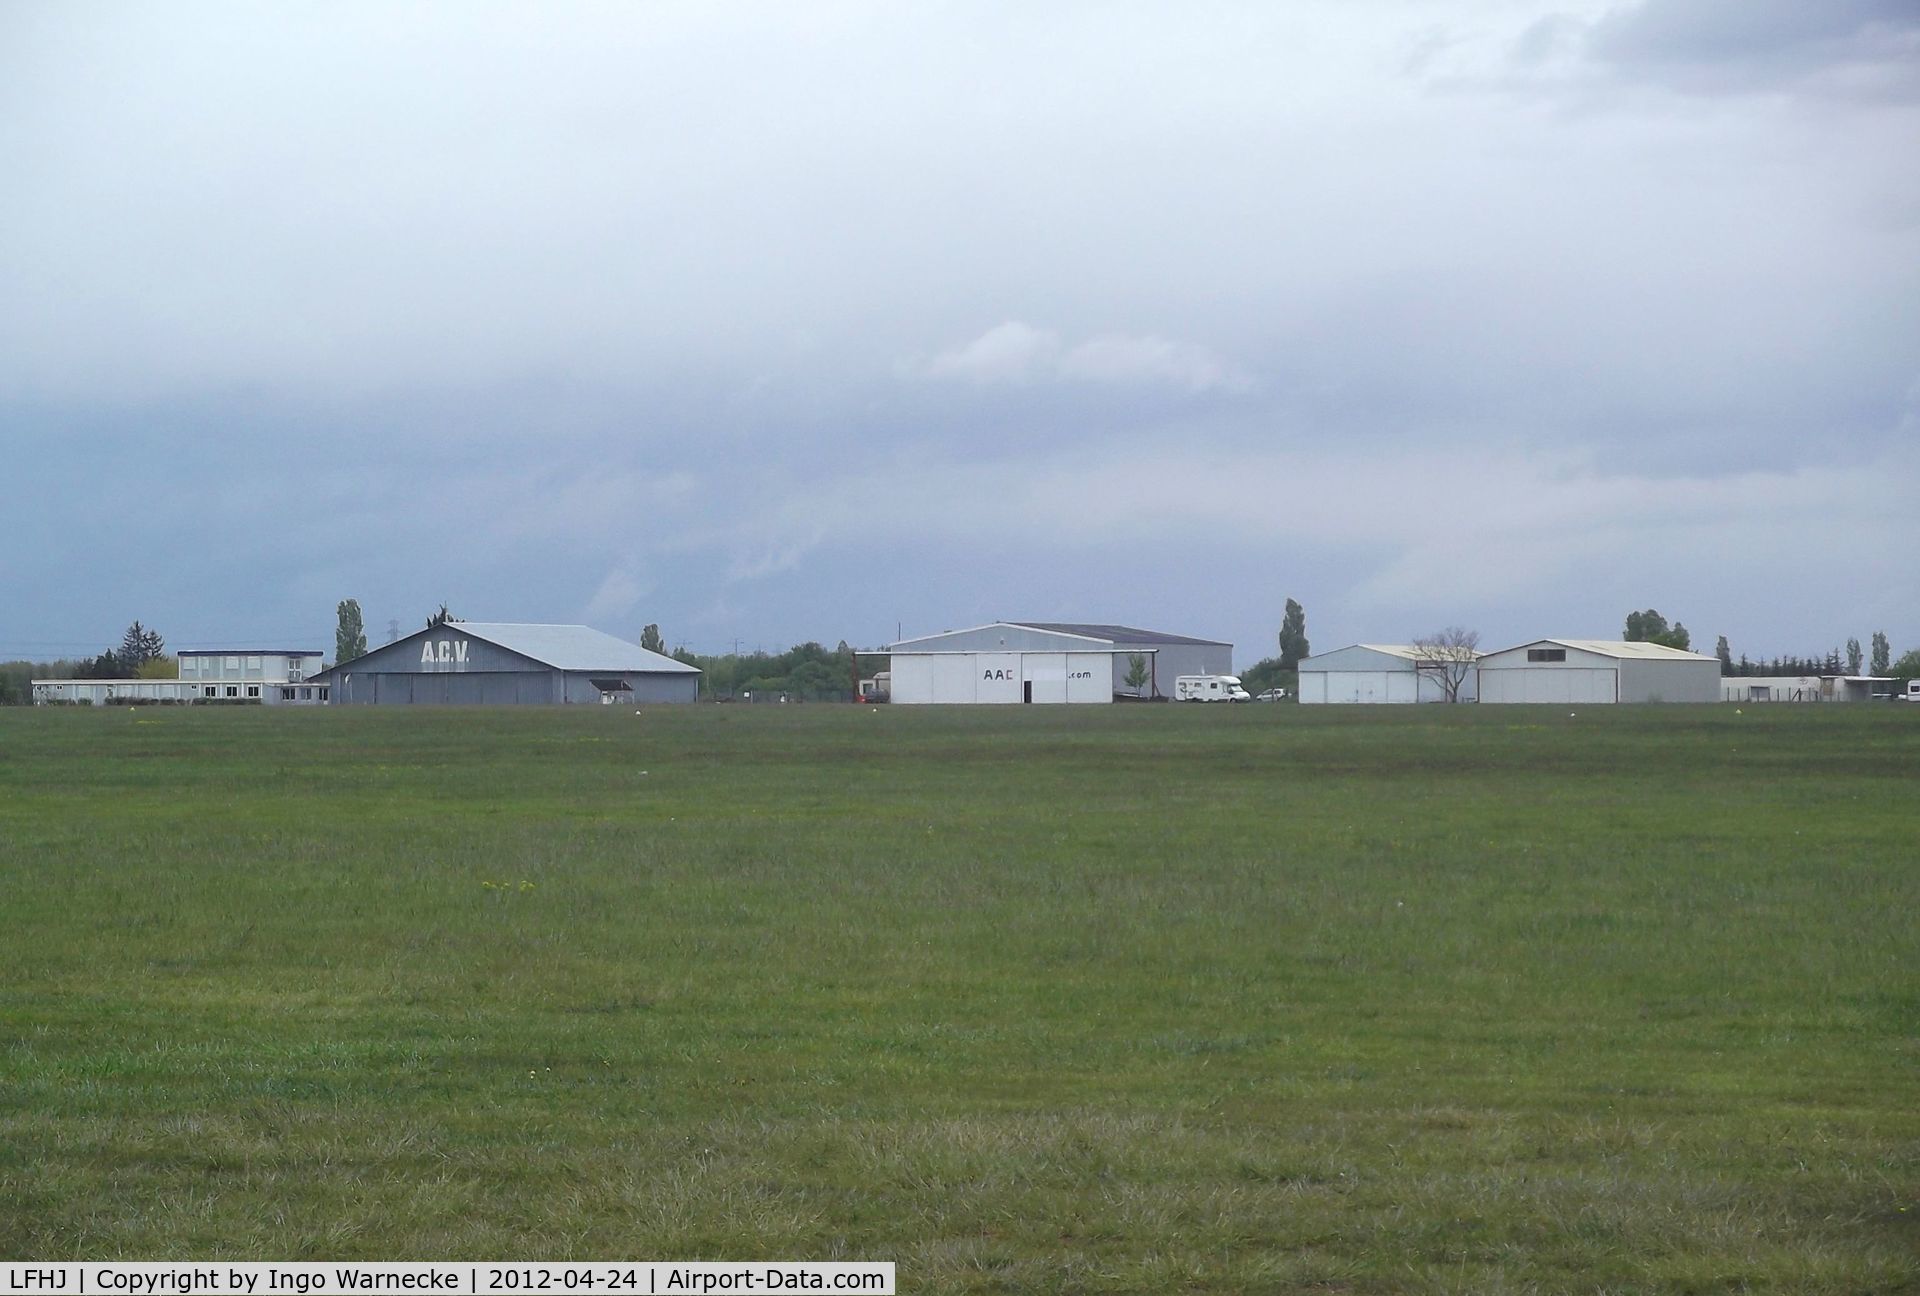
1094, 633
1618, 648
1118, 634
572, 647
1414, 653
563, 647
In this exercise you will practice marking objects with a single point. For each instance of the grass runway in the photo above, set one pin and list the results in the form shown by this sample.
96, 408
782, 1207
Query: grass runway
1495, 999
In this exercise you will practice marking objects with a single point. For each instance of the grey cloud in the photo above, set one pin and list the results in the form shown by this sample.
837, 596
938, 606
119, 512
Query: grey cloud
1863, 49
1017, 352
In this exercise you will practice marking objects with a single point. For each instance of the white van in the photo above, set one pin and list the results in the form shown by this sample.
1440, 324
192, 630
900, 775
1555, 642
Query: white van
1209, 688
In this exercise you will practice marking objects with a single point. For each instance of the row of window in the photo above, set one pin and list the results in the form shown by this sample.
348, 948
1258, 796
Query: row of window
1546, 654
296, 666
231, 690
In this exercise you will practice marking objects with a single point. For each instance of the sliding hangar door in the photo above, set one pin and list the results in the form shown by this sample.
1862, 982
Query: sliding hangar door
1002, 677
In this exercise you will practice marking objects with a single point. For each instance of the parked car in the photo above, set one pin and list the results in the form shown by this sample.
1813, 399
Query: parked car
1270, 695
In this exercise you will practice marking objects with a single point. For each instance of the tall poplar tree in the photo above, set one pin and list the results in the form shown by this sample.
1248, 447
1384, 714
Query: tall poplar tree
1293, 637
350, 634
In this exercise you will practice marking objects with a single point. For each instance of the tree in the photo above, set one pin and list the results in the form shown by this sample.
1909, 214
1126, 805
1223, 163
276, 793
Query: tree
440, 618
1725, 654
1447, 658
1854, 656
1650, 627
1908, 667
1266, 674
1137, 672
158, 668
138, 647
1882, 652
350, 635
1293, 637
105, 666
650, 640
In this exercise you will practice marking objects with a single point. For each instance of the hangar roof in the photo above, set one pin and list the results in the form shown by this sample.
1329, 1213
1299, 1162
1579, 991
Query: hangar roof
1619, 648
1098, 633
572, 647
1413, 652
1117, 633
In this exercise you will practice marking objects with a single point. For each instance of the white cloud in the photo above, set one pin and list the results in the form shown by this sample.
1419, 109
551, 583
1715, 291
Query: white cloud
1006, 353
618, 595
1118, 359
1018, 353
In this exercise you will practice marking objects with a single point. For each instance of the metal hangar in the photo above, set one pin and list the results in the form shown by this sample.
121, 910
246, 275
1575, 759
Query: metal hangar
1048, 661
491, 663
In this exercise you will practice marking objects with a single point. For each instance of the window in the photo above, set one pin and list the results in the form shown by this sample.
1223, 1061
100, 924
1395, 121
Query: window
253, 690
233, 690
233, 663
323, 692
211, 691
253, 663
1546, 654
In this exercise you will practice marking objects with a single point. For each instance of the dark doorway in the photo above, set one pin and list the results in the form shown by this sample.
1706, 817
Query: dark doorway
1027, 691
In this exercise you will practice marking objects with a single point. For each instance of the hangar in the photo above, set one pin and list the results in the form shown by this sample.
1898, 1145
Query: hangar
1378, 673
1048, 661
1598, 670
489, 663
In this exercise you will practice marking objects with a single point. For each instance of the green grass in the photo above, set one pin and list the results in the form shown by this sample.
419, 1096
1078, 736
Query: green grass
1490, 999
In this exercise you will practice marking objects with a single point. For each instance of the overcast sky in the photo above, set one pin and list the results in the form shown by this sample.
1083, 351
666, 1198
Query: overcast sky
810, 321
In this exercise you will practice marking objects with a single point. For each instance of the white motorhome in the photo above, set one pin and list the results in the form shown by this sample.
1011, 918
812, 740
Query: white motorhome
1210, 688
1913, 691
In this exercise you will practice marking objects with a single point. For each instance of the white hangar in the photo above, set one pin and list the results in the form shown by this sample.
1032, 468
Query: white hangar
1378, 673
1597, 670
1048, 661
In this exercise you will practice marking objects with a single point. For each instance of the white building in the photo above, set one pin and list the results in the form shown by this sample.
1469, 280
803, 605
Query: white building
1048, 661
1771, 688
1380, 673
1597, 670
206, 675
1807, 688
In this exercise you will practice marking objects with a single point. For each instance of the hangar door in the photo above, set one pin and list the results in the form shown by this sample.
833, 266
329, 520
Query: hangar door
1067, 677
1370, 686
1548, 684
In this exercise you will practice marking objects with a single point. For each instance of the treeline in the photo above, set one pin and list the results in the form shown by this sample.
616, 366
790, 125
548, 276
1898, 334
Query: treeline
142, 654
1908, 667
1874, 658
807, 672
1828, 665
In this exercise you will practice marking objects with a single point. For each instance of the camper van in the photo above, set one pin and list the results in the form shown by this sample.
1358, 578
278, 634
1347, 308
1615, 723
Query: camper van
1209, 688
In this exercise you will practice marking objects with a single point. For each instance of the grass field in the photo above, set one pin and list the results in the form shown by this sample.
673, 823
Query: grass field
1493, 999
